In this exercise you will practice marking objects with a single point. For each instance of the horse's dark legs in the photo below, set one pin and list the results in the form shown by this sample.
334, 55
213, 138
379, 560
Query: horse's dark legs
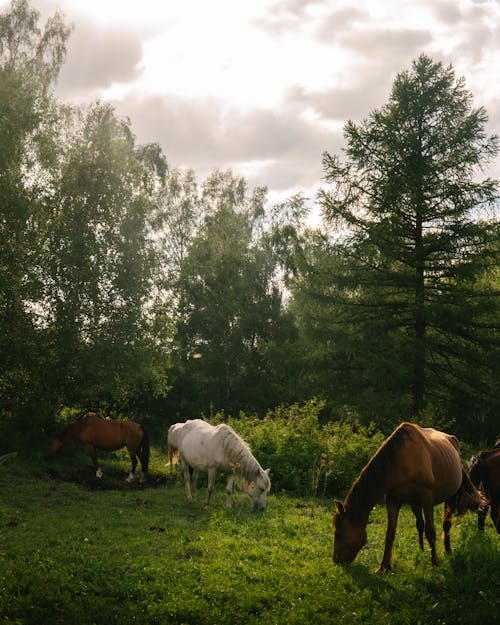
417, 511
430, 532
144, 466
393, 508
91, 451
482, 513
448, 512
495, 513
133, 458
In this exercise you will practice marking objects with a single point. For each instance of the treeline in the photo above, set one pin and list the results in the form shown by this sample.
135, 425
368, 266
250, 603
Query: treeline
134, 288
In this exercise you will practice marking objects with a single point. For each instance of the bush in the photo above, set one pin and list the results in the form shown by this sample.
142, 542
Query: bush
304, 456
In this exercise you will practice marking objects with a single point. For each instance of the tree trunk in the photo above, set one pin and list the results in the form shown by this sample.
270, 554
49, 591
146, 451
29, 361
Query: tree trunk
418, 386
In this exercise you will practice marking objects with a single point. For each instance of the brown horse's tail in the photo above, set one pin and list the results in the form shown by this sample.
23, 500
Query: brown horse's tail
144, 451
468, 496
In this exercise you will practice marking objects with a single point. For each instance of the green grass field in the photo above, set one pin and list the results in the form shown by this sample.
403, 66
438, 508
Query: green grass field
76, 552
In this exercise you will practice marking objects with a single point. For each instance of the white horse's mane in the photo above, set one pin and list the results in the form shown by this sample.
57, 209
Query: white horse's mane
238, 453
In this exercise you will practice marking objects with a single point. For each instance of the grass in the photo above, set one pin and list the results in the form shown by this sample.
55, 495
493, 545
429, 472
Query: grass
76, 551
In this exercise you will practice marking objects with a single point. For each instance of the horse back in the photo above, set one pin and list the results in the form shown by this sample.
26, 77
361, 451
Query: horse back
201, 445
424, 460
110, 435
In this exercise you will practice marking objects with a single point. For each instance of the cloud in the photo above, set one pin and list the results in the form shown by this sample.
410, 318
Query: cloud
317, 62
284, 15
278, 149
97, 58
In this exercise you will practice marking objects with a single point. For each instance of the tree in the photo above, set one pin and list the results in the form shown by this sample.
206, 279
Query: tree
99, 262
418, 228
30, 59
229, 305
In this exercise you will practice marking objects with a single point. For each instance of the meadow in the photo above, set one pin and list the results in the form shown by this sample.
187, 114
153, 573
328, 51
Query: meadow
74, 550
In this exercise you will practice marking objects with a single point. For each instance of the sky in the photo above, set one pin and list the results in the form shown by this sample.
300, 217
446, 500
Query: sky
264, 87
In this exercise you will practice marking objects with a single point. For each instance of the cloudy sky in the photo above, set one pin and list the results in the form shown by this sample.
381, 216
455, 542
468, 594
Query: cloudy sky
265, 86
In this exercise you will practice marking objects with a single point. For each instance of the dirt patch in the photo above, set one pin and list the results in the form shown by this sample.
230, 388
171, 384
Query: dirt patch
112, 479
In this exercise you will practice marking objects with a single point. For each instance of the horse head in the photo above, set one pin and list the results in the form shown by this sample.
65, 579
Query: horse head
349, 536
257, 489
54, 447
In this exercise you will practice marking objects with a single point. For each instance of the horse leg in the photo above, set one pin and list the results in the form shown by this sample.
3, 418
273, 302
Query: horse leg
495, 513
393, 508
194, 477
481, 515
187, 479
133, 458
448, 512
419, 522
430, 531
91, 451
143, 453
211, 482
229, 489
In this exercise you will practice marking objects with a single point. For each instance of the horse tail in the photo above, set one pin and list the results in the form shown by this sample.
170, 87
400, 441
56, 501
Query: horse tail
468, 496
173, 452
144, 450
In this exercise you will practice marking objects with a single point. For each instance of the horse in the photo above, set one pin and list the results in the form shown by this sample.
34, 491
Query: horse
95, 432
416, 466
484, 470
204, 447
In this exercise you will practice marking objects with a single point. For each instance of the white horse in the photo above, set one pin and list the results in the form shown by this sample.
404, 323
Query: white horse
204, 447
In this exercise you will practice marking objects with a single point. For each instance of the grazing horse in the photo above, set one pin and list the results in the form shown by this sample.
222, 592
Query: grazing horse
416, 466
204, 447
485, 470
95, 432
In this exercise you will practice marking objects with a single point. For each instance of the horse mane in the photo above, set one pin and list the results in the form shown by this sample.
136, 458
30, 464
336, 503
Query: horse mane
238, 453
79, 420
360, 498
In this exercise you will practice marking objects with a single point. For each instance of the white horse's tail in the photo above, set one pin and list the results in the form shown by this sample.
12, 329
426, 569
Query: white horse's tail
173, 453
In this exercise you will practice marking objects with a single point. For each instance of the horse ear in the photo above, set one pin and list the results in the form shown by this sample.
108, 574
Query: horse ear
340, 506
267, 471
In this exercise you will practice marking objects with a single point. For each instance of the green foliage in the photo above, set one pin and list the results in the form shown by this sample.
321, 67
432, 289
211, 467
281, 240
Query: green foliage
305, 456
228, 307
135, 288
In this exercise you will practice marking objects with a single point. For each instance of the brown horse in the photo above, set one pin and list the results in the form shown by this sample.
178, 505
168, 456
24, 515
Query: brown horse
95, 432
416, 466
485, 471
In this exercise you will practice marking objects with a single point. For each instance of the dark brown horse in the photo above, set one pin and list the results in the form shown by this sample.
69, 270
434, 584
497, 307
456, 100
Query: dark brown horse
416, 466
95, 432
485, 473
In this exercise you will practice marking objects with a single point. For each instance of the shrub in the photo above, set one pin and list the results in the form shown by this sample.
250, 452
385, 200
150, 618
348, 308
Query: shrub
304, 456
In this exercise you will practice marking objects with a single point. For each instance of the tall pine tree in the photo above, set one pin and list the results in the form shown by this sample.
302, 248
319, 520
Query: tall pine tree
419, 228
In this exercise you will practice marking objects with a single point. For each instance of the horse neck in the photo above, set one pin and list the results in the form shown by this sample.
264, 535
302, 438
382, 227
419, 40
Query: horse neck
366, 491
246, 465
71, 434
249, 467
